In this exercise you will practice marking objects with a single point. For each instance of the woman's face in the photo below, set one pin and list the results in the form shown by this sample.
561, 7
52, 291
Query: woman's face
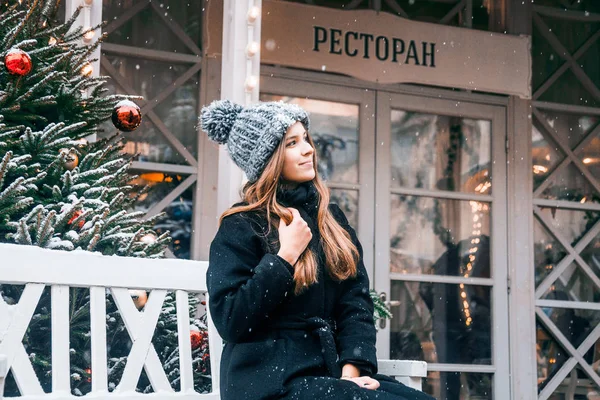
298, 161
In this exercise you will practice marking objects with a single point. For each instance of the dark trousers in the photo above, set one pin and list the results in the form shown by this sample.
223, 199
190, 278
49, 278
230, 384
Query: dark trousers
322, 387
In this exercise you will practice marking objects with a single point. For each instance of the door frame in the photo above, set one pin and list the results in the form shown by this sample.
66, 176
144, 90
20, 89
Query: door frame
386, 102
371, 99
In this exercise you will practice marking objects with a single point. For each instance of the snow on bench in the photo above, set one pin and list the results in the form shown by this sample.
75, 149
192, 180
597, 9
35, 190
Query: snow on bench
38, 268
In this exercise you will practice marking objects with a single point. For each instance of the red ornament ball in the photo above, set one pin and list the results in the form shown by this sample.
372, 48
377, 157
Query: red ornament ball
75, 216
126, 116
196, 339
18, 62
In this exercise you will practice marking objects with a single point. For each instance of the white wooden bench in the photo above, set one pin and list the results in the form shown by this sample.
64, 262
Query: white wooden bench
3, 372
37, 268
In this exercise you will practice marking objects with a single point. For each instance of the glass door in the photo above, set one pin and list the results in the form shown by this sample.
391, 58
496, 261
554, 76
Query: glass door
343, 129
440, 241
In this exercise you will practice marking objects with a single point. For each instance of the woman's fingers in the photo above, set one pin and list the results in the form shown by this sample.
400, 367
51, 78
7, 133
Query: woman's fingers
295, 237
365, 382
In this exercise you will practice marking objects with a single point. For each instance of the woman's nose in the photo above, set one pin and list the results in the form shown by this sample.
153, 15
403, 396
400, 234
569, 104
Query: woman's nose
308, 149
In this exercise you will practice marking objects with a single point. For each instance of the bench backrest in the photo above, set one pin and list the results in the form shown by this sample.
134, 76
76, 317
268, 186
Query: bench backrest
37, 268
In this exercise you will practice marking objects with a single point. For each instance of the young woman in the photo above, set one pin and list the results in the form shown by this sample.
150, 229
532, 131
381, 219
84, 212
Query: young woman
288, 290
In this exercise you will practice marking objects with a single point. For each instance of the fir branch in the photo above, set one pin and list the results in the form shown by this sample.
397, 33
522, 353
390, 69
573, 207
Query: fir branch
62, 58
45, 230
10, 15
71, 21
59, 143
3, 97
67, 178
4, 166
95, 228
117, 200
115, 219
13, 191
93, 243
91, 174
24, 44
56, 192
48, 8
43, 101
94, 203
18, 206
72, 128
40, 85
49, 132
11, 37
80, 187
22, 236
11, 109
52, 31
135, 238
91, 49
28, 118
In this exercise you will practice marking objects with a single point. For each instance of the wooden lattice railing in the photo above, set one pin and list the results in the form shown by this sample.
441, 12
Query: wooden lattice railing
37, 268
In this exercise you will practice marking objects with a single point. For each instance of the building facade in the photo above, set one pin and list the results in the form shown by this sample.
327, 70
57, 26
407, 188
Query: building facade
477, 206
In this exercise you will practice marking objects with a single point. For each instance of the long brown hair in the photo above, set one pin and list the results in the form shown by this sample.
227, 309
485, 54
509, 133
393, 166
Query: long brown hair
341, 255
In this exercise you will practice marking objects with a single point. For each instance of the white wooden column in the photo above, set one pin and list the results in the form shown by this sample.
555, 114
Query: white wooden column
90, 16
523, 365
240, 73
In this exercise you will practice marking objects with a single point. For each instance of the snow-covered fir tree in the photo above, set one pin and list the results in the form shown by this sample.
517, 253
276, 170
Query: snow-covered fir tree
60, 191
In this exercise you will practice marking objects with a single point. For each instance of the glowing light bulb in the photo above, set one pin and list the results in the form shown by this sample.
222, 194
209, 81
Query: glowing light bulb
52, 41
252, 49
87, 69
251, 83
253, 14
89, 34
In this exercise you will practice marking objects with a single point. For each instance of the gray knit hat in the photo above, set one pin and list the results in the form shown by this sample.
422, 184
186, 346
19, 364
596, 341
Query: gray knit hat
252, 133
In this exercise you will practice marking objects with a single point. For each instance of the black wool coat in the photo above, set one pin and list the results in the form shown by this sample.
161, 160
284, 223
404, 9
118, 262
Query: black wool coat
274, 339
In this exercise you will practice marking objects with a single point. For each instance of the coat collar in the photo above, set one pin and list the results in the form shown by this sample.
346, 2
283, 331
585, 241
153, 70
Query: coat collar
305, 195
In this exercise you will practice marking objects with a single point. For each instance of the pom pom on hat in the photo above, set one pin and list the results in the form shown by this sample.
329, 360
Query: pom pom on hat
218, 118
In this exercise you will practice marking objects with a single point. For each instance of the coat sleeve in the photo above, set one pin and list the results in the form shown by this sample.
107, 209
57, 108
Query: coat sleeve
356, 332
244, 284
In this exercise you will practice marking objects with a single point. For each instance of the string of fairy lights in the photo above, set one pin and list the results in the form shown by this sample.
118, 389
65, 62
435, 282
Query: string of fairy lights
88, 32
478, 210
252, 50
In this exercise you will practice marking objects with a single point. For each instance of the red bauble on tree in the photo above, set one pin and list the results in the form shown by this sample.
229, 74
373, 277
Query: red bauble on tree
126, 116
75, 216
196, 339
17, 62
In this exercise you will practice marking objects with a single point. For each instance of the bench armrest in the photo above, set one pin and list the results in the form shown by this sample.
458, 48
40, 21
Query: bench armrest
406, 371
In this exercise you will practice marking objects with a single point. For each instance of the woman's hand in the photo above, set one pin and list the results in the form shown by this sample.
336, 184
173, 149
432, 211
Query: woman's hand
293, 238
363, 381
